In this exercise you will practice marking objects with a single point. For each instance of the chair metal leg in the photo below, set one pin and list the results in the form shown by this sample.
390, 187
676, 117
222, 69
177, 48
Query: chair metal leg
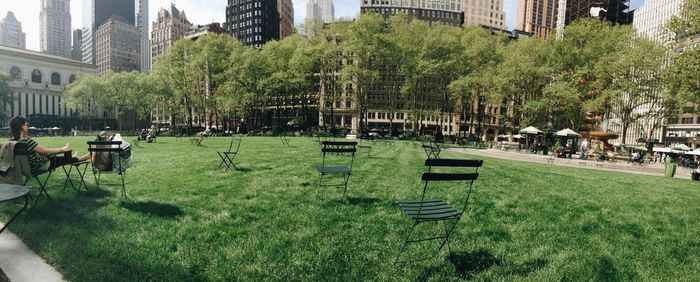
26, 202
222, 160
68, 179
405, 242
123, 185
42, 188
97, 179
345, 190
81, 174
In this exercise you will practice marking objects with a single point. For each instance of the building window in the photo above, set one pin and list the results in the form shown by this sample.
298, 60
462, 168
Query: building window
55, 79
36, 76
15, 73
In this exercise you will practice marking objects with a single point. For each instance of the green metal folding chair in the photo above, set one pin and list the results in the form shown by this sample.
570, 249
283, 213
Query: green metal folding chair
284, 139
438, 210
432, 150
228, 156
113, 149
21, 151
338, 158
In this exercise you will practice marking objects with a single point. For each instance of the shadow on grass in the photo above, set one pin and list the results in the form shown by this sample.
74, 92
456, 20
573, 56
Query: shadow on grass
529, 267
365, 202
95, 193
468, 264
153, 208
243, 169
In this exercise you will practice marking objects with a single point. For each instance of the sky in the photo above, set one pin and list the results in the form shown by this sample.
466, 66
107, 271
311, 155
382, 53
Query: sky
197, 11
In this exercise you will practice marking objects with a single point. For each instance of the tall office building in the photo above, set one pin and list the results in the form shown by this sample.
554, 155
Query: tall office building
482, 13
142, 25
324, 10
170, 26
285, 11
118, 46
95, 13
55, 27
11, 34
252, 22
538, 17
615, 11
649, 21
76, 52
650, 18
447, 12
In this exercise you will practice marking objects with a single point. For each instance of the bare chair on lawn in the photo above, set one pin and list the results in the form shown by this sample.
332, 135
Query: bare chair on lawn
432, 150
228, 156
284, 139
338, 158
438, 210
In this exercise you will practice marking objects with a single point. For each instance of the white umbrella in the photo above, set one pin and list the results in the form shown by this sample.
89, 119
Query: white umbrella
518, 136
662, 150
567, 133
695, 152
55, 128
31, 127
502, 136
680, 147
530, 130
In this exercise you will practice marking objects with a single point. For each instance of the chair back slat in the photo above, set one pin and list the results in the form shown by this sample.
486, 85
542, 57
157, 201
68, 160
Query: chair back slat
432, 176
113, 150
339, 147
91, 143
235, 139
454, 163
104, 146
338, 150
339, 143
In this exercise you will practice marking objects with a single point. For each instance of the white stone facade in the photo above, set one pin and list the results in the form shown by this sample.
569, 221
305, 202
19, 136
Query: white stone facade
38, 81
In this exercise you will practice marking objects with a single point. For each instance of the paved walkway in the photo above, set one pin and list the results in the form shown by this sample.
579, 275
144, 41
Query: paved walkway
619, 166
21, 264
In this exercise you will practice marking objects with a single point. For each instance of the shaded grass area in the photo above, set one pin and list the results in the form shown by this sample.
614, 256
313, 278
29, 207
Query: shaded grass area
186, 220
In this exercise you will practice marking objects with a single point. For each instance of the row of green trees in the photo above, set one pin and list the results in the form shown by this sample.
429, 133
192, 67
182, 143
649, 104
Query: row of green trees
596, 70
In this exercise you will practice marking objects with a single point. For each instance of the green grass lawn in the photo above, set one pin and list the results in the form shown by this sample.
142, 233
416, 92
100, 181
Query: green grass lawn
185, 220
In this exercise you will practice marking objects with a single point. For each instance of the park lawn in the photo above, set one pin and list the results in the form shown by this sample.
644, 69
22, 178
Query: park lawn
186, 220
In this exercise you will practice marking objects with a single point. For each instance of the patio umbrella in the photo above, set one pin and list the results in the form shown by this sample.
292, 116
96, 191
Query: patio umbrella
530, 130
662, 150
518, 136
695, 152
31, 127
680, 147
567, 133
55, 128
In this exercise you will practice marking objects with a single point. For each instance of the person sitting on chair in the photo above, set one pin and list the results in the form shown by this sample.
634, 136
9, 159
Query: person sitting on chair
149, 136
37, 156
143, 135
